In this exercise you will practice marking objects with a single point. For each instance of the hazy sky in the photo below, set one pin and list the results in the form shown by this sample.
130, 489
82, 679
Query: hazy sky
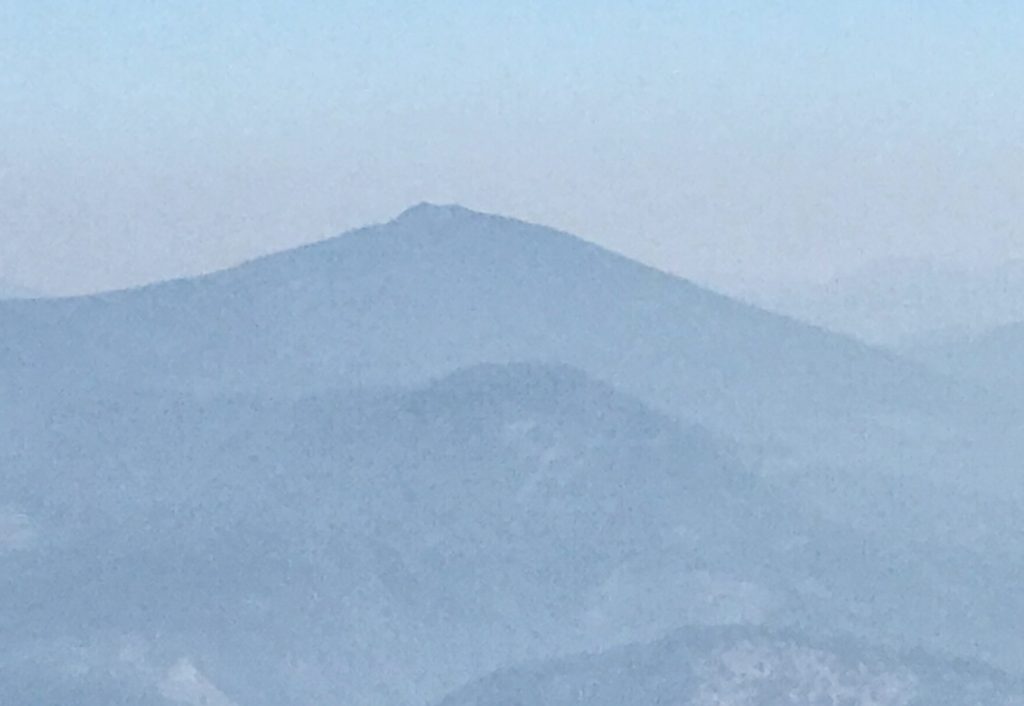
722, 140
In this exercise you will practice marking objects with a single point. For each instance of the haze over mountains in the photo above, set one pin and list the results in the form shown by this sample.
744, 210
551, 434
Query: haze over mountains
904, 303
966, 323
994, 358
378, 468
9, 290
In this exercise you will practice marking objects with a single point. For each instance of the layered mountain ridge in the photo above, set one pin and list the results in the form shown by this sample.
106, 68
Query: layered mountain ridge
377, 468
441, 288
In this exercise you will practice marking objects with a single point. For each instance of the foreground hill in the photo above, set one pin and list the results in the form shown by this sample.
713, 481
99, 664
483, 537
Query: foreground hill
384, 547
371, 547
744, 667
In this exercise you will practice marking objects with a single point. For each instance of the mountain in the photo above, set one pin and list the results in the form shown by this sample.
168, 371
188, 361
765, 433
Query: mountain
861, 434
376, 546
441, 288
745, 667
372, 546
377, 468
385, 546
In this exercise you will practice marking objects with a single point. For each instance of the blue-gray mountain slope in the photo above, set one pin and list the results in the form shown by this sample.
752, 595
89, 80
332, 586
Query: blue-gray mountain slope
441, 288
323, 476
745, 667
385, 547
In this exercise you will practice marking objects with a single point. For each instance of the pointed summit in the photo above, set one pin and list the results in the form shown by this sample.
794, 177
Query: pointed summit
431, 213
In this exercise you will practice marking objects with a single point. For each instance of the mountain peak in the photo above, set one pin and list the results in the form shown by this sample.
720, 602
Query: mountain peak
426, 212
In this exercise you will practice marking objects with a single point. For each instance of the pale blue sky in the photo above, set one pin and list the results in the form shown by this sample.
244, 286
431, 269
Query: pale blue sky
723, 140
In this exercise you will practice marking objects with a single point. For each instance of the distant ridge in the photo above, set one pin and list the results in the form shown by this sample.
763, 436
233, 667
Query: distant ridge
994, 358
